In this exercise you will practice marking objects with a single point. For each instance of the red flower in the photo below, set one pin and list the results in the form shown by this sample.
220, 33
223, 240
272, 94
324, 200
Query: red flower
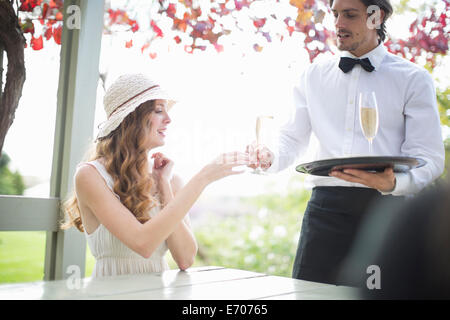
59, 16
37, 43
134, 25
48, 33
145, 46
258, 23
57, 34
29, 5
171, 10
218, 47
156, 29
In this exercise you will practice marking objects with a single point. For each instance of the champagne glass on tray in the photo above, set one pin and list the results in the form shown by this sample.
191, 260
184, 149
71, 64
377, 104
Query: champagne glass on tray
368, 116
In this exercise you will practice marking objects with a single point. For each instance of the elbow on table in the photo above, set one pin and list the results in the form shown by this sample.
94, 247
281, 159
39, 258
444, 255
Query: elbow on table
185, 264
188, 260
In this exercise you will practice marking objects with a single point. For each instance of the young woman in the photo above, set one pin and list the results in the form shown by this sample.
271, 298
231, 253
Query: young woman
131, 212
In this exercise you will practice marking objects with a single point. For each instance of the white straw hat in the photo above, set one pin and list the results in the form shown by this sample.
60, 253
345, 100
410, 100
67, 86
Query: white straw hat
123, 97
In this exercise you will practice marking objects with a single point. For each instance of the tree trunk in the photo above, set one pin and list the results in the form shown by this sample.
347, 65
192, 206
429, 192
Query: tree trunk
13, 42
1, 73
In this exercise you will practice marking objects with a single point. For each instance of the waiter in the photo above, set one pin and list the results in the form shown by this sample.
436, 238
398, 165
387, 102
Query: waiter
326, 97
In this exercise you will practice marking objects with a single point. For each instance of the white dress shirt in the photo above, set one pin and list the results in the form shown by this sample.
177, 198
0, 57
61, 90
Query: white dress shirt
326, 104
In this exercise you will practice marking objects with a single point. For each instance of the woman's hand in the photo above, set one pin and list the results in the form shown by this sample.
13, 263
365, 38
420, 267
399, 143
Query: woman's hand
162, 167
223, 166
260, 156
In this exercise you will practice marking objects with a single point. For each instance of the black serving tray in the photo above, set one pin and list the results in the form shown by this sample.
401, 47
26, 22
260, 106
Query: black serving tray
373, 164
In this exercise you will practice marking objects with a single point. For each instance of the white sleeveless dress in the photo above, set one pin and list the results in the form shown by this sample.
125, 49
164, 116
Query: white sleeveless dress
113, 257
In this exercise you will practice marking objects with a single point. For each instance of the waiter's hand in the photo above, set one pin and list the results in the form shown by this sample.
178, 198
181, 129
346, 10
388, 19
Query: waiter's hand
260, 156
382, 181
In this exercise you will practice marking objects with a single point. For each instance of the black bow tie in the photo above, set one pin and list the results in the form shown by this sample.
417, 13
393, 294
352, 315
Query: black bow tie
347, 64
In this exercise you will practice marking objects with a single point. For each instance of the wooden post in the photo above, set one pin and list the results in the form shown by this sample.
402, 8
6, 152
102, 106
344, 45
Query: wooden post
77, 90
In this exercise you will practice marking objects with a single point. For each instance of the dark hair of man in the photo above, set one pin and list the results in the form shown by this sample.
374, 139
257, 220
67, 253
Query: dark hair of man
384, 5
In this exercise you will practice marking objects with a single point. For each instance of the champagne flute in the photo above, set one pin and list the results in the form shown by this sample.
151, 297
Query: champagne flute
368, 116
259, 125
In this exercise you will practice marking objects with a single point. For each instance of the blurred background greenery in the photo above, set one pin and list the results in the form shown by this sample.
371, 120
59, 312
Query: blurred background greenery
11, 183
263, 241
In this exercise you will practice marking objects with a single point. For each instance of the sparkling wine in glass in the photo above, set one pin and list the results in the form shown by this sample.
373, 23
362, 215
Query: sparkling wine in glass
259, 129
368, 116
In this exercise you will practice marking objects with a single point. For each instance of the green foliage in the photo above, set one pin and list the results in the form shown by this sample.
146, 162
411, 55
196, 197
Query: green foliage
11, 183
402, 7
447, 156
4, 160
443, 99
407, 6
264, 240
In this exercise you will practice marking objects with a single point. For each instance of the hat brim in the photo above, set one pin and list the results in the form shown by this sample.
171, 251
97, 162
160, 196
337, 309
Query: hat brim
116, 118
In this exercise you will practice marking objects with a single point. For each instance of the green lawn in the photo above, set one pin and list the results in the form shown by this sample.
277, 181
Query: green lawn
22, 257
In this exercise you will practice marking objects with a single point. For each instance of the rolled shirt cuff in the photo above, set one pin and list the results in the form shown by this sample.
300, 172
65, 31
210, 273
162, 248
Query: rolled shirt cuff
402, 183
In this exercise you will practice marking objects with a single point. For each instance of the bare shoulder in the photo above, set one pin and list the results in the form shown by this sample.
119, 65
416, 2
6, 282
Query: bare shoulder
86, 173
87, 178
177, 183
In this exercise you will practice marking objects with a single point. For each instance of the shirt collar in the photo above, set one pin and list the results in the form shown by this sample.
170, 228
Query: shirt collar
375, 56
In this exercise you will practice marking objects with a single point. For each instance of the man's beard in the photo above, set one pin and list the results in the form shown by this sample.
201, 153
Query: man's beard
350, 47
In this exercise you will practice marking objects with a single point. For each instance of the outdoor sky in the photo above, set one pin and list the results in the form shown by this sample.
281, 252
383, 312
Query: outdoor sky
220, 96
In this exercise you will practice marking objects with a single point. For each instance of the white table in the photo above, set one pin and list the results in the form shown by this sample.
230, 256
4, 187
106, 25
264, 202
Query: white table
202, 283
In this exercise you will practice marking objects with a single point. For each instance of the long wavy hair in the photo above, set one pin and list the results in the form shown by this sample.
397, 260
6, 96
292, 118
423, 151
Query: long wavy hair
126, 159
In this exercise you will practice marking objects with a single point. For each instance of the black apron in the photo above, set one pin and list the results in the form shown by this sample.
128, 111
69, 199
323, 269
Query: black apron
330, 223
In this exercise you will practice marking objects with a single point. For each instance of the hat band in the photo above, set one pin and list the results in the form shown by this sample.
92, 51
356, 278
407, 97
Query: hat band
119, 107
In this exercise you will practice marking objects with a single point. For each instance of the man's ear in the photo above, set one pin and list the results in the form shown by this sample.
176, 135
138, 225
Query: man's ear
375, 17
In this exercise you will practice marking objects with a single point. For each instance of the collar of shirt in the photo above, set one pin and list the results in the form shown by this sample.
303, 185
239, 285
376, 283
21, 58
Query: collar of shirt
375, 56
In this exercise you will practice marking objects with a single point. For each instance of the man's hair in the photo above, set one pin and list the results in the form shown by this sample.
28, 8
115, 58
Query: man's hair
384, 5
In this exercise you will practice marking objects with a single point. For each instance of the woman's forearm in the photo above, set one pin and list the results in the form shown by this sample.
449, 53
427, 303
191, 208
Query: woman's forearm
181, 242
160, 227
182, 245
